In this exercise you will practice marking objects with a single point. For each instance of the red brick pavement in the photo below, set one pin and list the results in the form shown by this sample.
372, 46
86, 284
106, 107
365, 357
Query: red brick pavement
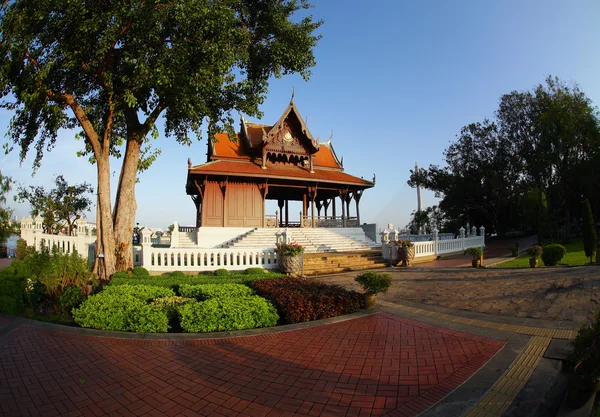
370, 366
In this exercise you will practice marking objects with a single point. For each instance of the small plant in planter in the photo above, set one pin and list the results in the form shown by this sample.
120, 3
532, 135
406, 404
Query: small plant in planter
514, 251
406, 251
534, 253
373, 283
289, 257
585, 357
476, 254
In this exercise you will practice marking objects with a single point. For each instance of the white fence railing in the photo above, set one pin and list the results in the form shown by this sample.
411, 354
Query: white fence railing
435, 246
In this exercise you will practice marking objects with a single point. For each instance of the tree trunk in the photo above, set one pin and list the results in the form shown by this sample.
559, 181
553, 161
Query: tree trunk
104, 234
126, 206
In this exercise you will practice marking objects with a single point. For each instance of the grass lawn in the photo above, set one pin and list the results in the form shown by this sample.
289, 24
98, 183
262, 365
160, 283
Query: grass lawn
575, 256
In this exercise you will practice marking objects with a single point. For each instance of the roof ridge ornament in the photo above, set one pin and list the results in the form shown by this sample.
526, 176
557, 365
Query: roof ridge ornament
293, 93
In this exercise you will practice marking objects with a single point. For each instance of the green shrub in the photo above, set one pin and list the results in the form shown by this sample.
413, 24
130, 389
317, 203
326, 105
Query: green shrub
221, 272
120, 312
298, 299
170, 305
219, 314
174, 283
552, 254
590, 236
254, 271
476, 253
12, 292
141, 292
56, 270
71, 298
22, 250
374, 282
121, 274
207, 291
139, 271
585, 349
178, 274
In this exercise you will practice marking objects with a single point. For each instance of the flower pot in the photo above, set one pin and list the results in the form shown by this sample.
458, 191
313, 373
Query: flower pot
370, 300
406, 254
476, 263
533, 262
290, 264
579, 390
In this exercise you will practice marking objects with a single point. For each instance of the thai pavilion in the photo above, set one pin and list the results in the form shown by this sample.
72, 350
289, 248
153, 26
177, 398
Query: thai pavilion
282, 162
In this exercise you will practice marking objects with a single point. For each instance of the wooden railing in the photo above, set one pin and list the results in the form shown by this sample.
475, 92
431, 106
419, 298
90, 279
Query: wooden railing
328, 221
191, 259
272, 220
186, 229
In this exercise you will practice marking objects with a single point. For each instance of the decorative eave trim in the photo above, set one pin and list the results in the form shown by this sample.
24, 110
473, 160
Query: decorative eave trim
329, 145
303, 127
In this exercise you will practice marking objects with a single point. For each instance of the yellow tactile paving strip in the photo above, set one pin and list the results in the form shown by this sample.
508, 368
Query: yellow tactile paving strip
506, 388
533, 331
504, 391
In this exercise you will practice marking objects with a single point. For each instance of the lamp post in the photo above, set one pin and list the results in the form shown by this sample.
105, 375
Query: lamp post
101, 268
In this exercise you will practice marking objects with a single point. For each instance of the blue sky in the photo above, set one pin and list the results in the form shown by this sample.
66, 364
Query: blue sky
395, 81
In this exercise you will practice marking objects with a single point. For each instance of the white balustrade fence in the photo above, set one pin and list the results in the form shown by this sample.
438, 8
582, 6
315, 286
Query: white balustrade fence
433, 247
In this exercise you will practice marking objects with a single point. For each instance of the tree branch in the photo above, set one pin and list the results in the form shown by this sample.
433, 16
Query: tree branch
84, 121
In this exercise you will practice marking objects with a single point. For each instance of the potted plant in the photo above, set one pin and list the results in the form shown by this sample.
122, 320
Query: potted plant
514, 250
476, 253
585, 358
406, 251
373, 283
289, 257
534, 253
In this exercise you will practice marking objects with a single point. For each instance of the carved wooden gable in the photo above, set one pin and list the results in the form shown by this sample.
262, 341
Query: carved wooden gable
290, 136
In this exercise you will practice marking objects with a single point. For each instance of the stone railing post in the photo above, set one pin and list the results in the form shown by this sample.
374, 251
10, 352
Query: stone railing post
473, 231
146, 245
482, 234
461, 232
175, 235
435, 240
468, 230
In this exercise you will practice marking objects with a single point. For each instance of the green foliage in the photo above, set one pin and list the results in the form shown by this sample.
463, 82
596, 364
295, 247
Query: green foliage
6, 228
535, 251
22, 250
254, 271
222, 272
170, 305
59, 207
140, 271
298, 299
585, 349
141, 292
575, 256
514, 251
71, 298
170, 282
553, 254
403, 243
124, 312
220, 314
56, 270
12, 291
177, 274
207, 291
289, 249
476, 253
524, 168
590, 236
374, 282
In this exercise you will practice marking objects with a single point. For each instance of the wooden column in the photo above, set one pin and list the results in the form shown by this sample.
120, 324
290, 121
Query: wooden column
343, 194
303, 205
325, 205
312, 194
333, 213
357, 196
199, 200
319, 204
280, 204
287, 214
223, 186
264, 190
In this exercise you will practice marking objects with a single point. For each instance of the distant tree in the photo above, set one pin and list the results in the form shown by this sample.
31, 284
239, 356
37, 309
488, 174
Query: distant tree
6, 225
425, 221
590, 235
60, 207
112, 68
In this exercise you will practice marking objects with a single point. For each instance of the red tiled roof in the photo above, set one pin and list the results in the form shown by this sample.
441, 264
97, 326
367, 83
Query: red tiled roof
283, 171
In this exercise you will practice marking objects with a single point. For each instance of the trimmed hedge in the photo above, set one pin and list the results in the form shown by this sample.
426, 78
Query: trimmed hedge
254, 271
141, 292
220, 314
12, 288
553, 254
170, 305
175, 282
120, 312
207, 291
298, 299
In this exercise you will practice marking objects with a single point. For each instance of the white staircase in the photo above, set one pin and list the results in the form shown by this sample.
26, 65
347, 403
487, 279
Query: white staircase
263, 238
187, 240
333, 240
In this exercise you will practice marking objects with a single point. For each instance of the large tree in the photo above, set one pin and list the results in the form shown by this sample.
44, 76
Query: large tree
6, 226
112, 68
522, 170
60, 207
